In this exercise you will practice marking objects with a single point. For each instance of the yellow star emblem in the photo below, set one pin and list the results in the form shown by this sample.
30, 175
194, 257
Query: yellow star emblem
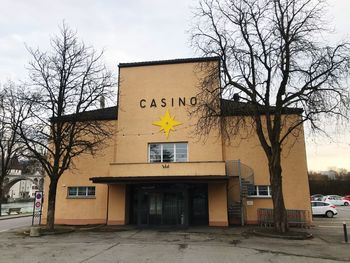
167, 123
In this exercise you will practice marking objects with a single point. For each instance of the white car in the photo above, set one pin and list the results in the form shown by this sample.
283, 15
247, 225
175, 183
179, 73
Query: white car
335, 200
323, 208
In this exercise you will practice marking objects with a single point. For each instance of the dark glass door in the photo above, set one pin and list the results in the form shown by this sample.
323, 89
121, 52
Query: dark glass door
155, 210
199, 205
173, 209
169, 204
142, 207
158, 207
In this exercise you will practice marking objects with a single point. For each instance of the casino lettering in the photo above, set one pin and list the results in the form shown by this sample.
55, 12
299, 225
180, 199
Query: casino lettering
170, 102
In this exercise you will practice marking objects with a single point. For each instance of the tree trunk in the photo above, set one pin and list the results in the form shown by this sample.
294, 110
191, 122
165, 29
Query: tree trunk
50, 224
0, 198
279, 211
1, 192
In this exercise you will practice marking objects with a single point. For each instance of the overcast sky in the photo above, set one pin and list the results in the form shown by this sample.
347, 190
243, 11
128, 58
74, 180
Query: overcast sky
137, 30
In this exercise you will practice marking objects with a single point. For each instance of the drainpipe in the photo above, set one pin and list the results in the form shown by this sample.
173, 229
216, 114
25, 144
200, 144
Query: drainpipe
107, 204
227, 191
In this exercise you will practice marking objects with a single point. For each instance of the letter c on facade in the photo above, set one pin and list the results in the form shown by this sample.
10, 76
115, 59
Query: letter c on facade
142, 103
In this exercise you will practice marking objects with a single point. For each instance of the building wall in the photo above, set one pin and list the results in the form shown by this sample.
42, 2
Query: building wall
83, 210
217, 204
116, 204
135, 123
143, 93
126, 154
295, 182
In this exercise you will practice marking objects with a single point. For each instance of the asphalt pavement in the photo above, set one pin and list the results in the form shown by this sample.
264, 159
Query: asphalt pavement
331, 229
234, 244
202, 245
13, 222
335, 222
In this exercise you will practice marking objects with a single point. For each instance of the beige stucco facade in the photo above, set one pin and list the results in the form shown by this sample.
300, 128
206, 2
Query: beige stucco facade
146, 92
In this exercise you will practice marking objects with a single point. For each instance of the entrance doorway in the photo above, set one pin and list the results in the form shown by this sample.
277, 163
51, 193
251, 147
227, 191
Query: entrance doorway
168, 204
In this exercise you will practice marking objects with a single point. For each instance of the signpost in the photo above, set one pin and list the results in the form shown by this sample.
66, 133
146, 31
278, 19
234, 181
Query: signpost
37, 208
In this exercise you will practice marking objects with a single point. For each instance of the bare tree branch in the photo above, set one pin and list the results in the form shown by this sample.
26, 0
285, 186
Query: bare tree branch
12, 115
67, 81
271, 60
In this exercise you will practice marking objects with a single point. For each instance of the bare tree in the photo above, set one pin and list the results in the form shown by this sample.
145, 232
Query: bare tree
273, 61
12, 111
66, 83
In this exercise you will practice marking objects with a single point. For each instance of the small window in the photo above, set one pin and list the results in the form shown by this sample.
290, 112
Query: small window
155, 153
263, 190
72, 191
168, 152
181, 152
259, 191
91, 191
81, 191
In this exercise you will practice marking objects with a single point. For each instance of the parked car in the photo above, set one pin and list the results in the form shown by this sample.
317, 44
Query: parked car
347, 197
316, 197
323, 208
335, 200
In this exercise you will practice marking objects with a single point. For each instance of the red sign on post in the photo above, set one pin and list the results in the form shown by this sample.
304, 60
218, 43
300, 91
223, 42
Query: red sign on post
38, 195
36, 219
38, 200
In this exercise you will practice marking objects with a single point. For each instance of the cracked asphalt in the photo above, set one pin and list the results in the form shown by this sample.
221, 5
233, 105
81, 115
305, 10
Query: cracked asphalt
191, 245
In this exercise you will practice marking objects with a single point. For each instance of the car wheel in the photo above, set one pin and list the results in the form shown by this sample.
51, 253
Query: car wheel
329, 214
346, 203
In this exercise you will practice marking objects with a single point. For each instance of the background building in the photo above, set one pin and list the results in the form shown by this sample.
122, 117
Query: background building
23, 180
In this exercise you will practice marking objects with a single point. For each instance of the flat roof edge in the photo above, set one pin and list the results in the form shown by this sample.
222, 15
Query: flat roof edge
157, 179
170, 61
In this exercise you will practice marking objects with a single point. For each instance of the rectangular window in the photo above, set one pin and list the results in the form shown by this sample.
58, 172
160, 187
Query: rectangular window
72, 191
81, 191
168, 152
91, 191
259, 191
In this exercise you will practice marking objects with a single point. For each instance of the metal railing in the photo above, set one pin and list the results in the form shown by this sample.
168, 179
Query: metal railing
236, 168
245, 175
297, 218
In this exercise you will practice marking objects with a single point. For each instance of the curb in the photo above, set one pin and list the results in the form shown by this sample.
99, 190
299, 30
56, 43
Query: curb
14, 216
291, 237
58, 231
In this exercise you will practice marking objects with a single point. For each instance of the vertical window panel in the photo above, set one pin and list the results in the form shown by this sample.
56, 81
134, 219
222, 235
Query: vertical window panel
91, 191
82, 191
168, 153
72, 191
259, 190
155, 153
263, 190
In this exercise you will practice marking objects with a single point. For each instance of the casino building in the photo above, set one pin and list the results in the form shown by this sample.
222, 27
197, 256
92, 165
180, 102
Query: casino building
156, 172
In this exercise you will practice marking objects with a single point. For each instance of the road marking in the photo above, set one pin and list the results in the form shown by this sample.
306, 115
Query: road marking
330, 226
332, 222
338, 222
